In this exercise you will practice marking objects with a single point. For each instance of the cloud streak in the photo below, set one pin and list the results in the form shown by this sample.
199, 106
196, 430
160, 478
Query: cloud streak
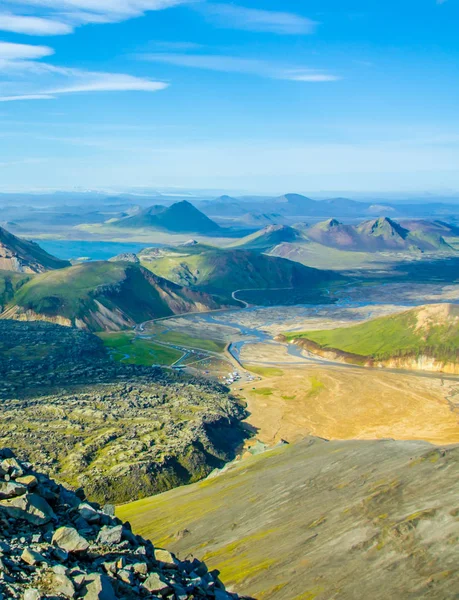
233, 64
31, 79
33, 25
71, 13
252, 19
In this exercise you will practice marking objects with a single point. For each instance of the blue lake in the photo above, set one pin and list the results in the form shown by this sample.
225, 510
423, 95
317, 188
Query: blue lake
94, 250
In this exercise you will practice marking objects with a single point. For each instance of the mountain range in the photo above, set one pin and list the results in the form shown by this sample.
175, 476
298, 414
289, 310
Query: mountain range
376, 235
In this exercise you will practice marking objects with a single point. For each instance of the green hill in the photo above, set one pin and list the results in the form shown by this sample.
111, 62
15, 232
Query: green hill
268, 237
431, 331
181, 217
224, 271
318, 520
103, 296
24, 256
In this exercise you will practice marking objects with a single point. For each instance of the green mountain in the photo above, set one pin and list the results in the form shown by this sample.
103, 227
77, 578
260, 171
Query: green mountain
268, 237
181, 217
420, 334
103, 296
218, 271
378, 235
318, 520
23, 256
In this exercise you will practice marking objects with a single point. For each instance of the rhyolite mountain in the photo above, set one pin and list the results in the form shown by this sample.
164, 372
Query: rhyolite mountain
181, 217
103, 296
422, 338
321, 519
23, 256
377, 235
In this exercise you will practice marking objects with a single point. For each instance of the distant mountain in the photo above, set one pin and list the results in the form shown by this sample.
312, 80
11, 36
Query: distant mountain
268, 238
376, 235
335, 234
23, 256
298, 205
423, 338
254, 219
181, 217
103, 296
386, 234
436, 227
223, 271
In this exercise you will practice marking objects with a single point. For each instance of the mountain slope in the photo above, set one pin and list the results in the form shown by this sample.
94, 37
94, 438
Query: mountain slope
426, 337
181, 217
23, 256
103, 296
223, 271
10, 282
321, 520
268, 238
377, 235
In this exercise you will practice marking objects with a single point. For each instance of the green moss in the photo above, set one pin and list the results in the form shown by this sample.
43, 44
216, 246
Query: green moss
263, 391
316, 386
264, 371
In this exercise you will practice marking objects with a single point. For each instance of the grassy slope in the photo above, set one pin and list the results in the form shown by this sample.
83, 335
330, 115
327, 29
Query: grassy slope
67, 290
71, 293
392, 336
228, 270
10, 282
318, 520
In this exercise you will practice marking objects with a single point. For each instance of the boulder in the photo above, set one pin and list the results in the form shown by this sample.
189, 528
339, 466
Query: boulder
68, 539
98, 587
155, 584
30, 507
109, 536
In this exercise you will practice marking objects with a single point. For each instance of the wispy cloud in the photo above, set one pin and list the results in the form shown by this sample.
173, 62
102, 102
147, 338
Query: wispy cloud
252, 19
20, 52
71, 13
33, 25
31, 79
233, 64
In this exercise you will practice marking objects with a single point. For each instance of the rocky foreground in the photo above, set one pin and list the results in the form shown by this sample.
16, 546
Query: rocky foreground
55, 544
122, 432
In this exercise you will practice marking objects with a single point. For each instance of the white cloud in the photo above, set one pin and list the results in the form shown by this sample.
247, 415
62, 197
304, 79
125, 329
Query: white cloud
78, 12
20, 52
240, 17
33, 25
233, 64
30, 79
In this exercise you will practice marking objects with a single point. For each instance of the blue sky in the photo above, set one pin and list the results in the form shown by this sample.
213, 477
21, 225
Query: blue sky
261, 96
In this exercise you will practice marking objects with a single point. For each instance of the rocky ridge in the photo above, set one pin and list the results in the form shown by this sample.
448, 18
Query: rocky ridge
55, 544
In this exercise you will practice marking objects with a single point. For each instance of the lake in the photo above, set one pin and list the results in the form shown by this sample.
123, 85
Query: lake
94, 250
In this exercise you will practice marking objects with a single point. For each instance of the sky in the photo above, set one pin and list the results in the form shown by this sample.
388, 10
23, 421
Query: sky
261, 96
